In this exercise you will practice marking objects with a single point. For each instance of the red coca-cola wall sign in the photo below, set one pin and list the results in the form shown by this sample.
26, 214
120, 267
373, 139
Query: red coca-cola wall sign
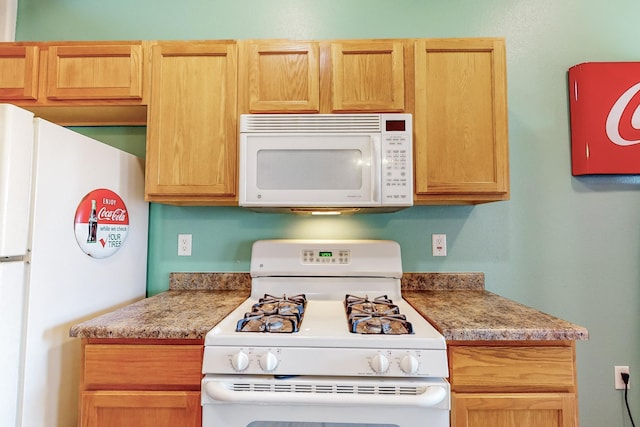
101, 223
605, 117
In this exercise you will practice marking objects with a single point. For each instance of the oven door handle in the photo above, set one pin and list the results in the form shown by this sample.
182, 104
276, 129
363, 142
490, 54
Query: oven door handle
432, 396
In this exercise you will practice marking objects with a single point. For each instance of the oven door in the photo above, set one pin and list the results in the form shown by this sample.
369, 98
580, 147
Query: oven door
309, 170
263, 401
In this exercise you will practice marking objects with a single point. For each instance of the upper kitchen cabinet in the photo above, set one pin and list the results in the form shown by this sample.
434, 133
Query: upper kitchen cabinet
284, 76
460, 121
76, 83
367, 75
279, 76
95, 72
191, 135
18, 72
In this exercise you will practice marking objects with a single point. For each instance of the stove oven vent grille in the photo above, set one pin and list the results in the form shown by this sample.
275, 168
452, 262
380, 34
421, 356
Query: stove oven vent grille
353, 389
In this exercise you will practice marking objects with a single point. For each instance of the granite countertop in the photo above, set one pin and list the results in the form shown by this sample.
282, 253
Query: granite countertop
175, 314
455, 303
482, 315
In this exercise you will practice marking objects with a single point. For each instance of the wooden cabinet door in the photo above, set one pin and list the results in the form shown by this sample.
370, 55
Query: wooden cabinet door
367, 75
279, 76
513, 410
460, 122
95, 71
140, 409
192, 128
19, 72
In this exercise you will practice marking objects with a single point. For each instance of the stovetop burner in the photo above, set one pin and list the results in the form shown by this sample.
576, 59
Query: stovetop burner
377, 316
274, 314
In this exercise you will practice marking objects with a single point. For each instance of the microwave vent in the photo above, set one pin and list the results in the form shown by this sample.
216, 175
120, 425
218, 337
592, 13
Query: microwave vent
310, 123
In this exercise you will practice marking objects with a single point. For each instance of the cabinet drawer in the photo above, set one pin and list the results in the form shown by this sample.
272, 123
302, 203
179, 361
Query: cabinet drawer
512, 369
142, 367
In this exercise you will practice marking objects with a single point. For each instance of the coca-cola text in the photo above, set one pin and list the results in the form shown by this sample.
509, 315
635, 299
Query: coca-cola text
117, 215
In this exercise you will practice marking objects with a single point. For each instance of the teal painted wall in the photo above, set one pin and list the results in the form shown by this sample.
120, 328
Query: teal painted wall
568, 246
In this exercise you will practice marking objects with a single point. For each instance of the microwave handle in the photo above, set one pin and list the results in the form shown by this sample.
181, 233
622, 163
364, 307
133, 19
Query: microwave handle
376, 154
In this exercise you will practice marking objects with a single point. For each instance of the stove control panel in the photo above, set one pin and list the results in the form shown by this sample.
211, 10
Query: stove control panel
325, 361
326, 256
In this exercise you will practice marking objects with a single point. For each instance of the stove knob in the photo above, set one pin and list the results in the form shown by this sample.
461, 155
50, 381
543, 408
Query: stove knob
379, 364
409, 364
240, 361
268, 361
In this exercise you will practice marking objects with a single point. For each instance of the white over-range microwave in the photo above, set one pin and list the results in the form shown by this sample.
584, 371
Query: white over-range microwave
326, 163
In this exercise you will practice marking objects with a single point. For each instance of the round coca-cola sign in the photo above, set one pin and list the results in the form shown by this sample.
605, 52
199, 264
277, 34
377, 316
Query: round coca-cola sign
101, 223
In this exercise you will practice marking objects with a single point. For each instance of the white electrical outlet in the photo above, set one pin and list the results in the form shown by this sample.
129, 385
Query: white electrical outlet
439, 244
617, 370
184, 244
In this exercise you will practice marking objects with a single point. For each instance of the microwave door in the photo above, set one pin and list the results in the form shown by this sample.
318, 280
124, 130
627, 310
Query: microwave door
291, 170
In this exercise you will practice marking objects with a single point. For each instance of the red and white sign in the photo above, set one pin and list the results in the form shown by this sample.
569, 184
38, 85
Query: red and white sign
101, 223
605, 117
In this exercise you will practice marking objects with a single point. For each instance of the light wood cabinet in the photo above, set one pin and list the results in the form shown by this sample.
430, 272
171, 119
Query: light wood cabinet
523, 384
141, 409
460, 121
191, 136
367, 75
514, 410
95, 72
77, 83
155, 383
283, 76
19, 72
279, 76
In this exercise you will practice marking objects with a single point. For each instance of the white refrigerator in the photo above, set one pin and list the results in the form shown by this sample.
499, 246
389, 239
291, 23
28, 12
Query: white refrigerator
73, 245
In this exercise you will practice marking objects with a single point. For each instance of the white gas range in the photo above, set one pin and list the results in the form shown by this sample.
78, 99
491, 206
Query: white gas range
325, 339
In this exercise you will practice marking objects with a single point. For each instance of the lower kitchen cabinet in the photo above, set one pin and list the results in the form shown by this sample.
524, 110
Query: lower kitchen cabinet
141, 383
140, 408
515, 384
514, 409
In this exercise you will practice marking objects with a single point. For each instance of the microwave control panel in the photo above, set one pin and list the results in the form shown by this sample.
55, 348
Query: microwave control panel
397, 159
